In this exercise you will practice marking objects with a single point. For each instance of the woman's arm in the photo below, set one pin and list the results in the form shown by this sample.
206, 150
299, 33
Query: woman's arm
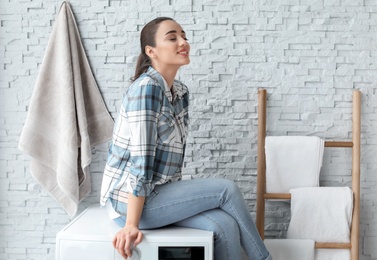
130, 235
142, 108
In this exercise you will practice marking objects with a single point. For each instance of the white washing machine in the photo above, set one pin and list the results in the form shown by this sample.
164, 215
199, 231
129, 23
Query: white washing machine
89, 236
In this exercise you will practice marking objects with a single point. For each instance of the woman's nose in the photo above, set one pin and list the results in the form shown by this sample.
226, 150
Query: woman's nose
183, 42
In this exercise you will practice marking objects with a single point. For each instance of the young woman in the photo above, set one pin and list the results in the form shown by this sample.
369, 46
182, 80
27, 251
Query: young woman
142, 184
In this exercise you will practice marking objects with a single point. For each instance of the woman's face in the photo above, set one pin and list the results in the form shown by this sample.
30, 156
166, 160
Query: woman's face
172, 48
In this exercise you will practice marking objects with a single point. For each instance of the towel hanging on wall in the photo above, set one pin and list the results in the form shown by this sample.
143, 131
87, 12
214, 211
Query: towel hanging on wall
66, 117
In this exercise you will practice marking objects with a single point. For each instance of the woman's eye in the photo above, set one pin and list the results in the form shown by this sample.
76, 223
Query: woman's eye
174, 39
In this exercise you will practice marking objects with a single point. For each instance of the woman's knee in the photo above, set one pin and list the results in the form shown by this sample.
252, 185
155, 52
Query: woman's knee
230, 189
228, 184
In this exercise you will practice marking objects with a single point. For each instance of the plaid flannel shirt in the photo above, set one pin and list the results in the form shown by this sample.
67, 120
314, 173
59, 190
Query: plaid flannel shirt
148, 140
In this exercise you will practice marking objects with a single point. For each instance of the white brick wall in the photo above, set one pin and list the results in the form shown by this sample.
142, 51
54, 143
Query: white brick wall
309, 54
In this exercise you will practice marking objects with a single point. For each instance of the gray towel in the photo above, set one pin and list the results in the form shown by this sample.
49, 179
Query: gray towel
66, 117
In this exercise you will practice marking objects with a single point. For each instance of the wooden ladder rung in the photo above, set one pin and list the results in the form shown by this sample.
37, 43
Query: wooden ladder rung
338, 144
277, 196
333, 245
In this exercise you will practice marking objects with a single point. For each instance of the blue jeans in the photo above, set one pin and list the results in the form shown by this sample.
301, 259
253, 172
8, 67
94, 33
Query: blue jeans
216, 205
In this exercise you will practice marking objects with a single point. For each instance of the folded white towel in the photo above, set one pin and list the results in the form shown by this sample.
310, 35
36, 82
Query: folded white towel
290, 249
292, 162
323, 214
66, 117
332, 254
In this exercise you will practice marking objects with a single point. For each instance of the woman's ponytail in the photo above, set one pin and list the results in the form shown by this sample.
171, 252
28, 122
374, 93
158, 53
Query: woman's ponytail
143, 62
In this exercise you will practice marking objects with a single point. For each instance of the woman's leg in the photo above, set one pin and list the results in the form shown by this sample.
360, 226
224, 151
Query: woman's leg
180, 200
226, 232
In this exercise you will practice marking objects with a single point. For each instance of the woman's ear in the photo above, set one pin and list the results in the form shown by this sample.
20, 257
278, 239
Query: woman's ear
150, 51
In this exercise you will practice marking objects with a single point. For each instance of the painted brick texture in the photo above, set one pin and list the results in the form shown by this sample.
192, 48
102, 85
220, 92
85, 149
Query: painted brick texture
308, 54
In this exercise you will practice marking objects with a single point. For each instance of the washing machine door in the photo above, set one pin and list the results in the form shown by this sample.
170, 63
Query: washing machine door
181, 252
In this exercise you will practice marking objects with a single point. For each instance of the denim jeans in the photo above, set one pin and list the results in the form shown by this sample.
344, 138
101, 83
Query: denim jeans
216, 205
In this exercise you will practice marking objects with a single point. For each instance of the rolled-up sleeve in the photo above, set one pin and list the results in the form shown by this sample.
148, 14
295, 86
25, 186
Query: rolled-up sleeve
143, 109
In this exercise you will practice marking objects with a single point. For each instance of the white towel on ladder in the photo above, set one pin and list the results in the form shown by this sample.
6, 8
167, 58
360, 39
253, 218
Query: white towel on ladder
332, 254
292, 162
323, 214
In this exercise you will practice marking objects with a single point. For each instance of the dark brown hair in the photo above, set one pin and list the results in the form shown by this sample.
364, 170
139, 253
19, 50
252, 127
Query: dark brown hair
147, 38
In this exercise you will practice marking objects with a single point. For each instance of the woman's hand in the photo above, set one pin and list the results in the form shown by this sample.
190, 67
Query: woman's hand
127, 238
130, 236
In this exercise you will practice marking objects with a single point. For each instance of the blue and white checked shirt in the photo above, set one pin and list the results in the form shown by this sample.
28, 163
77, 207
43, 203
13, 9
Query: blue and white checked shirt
148, 141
